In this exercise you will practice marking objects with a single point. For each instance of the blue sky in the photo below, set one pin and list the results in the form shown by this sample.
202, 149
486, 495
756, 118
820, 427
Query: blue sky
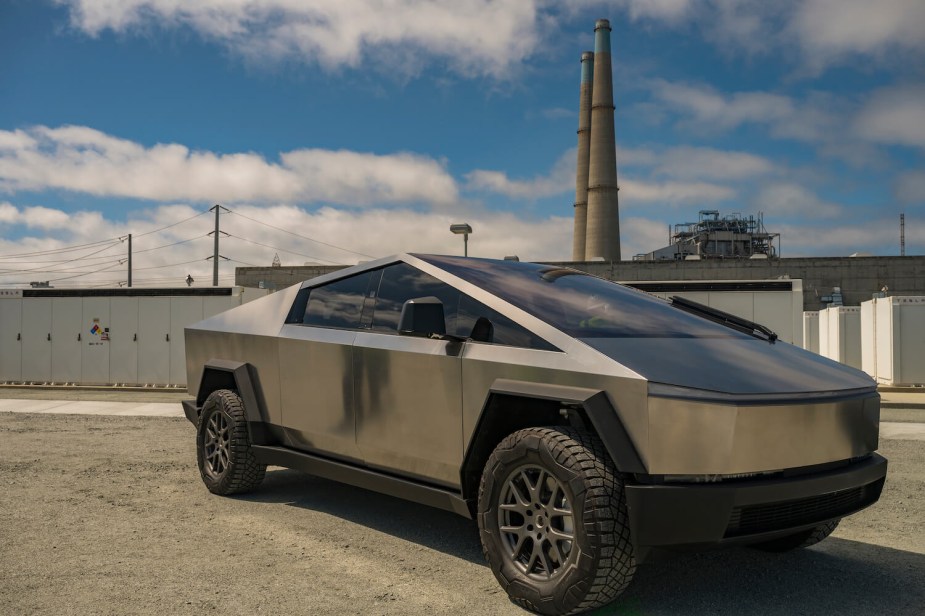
372, 125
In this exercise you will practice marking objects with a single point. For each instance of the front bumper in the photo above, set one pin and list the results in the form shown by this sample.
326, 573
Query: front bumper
191, 411
698, 515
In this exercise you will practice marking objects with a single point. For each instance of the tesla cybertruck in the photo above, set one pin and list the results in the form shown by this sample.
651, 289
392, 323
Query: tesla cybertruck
581, 423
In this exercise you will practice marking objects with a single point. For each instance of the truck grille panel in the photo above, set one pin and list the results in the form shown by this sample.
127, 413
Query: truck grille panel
753, 519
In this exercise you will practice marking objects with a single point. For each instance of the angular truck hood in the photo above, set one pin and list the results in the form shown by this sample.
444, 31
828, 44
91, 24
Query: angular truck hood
733, 365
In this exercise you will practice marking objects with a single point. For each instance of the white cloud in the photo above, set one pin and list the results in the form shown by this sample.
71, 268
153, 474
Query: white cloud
786, 200
909, 188
709, 163
830, 31
81, 159
670, 11
559, 180
710, 109
636, 192
483, 37
894, 116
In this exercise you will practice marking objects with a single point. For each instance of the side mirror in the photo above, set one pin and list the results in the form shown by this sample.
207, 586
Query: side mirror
422, 316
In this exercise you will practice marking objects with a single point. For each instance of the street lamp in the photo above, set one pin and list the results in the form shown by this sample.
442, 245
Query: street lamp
464, 230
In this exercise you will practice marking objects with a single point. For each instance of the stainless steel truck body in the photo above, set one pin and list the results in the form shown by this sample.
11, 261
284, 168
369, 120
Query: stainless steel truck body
512, 392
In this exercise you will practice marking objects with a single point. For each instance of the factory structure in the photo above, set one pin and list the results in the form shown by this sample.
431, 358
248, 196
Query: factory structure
732, 236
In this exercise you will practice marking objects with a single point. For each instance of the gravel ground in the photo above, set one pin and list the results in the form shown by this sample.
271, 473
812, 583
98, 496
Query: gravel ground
107, 515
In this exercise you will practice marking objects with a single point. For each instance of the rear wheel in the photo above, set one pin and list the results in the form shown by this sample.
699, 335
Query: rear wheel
223, 446
553, 522
802, 539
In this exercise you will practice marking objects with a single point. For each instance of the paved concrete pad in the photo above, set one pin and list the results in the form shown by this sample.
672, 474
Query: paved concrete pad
902, 431
70, 407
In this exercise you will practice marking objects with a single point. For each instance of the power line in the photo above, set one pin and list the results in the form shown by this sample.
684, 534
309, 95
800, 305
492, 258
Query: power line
39, 269
72, 248
304, 237
301, 254
179, 222
172, 244
138, 269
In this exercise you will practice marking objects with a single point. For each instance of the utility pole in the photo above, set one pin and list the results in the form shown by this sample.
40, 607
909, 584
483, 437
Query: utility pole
902, 234
215, 256
129, 260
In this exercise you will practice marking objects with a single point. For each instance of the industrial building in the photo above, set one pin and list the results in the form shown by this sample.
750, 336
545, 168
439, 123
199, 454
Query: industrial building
732, 236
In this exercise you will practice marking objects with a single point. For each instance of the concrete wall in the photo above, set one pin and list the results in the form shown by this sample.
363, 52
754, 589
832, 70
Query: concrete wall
858, 277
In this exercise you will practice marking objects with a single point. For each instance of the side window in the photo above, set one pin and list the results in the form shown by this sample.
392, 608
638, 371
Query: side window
402, 282
338, 304
503, 330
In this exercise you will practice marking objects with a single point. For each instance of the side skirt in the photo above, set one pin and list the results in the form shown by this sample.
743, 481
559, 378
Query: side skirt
362, 478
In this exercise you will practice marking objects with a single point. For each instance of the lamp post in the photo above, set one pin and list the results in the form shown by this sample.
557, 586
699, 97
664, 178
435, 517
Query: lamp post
464, 230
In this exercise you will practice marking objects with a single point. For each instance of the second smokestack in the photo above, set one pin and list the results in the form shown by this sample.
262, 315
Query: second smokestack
584, 150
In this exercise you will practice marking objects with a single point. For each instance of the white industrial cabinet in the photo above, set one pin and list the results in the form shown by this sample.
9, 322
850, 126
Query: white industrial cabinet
840, 334
10, 340
901, 340
95, 341
36, 339
811, 330
123, 340
66, 335
869, 337
154, 341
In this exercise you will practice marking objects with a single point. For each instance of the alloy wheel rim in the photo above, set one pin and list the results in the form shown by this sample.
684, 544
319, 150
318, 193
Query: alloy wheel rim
217, 443
536, 522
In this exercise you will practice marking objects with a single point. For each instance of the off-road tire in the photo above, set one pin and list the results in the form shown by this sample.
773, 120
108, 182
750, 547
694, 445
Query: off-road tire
600, 562
802, 539
223, 446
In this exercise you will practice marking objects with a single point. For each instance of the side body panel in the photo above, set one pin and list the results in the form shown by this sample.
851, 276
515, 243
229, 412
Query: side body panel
408, 405
316, 394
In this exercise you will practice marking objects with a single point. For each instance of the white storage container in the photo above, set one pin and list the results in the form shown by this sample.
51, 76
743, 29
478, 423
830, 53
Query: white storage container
811, 330
36, 339
869, 337
901, 340
843, 334
10, 340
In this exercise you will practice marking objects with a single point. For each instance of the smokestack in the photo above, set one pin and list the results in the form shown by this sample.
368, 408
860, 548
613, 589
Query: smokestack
603, 235
584, 150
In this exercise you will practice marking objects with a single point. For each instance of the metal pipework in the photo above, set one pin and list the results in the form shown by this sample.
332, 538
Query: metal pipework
603, 235
584, 150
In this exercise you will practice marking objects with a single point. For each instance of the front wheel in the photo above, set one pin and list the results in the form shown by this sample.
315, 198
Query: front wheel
553, 521
223, 446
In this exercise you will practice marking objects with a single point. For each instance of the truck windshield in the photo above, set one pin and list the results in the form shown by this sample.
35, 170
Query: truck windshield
578, 304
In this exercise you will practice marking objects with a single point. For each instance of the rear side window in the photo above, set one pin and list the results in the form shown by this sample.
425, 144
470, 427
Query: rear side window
338, 304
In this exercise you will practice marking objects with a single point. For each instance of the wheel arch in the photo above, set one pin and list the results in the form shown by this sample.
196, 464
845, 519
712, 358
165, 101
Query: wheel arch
514, 405
240, 377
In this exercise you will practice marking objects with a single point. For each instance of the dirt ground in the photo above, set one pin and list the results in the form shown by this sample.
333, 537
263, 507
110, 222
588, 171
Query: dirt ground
107, 515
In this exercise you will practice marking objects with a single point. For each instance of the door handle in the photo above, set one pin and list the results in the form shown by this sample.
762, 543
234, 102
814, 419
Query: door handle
19, 336
78, 337
49, 337
168, 337
135, 338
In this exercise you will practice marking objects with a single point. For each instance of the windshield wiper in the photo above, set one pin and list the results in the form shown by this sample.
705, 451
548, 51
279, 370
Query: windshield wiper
724, 318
